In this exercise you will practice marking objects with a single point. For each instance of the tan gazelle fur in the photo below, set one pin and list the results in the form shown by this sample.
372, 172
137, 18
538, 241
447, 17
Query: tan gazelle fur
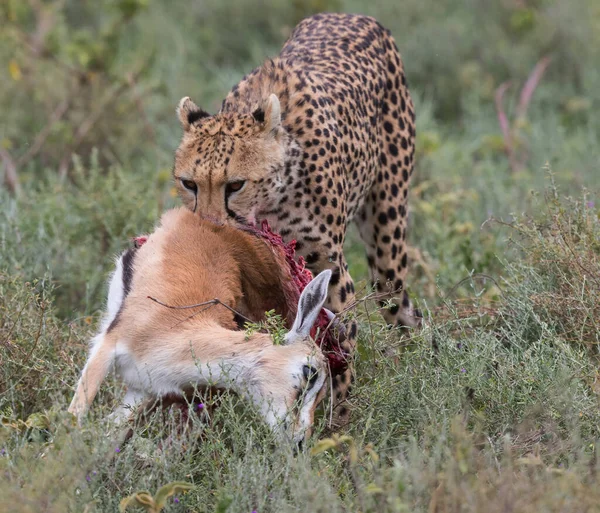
159, 350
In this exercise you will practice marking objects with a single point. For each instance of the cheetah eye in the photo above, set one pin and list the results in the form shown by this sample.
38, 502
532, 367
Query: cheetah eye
236, 186
190, 185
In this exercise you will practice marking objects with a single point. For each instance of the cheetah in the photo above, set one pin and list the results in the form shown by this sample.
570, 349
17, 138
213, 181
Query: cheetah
319, 136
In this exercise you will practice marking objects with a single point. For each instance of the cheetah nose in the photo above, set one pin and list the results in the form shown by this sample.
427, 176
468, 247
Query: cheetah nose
214, 214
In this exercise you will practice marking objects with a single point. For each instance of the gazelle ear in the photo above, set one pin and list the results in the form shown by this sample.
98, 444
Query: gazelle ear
310, 304
188, 112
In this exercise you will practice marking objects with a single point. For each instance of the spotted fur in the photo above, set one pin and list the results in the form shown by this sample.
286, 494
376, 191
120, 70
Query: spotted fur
319, 136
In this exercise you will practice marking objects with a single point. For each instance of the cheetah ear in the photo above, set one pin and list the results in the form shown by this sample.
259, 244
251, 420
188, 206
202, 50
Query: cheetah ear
272, 114
188, 113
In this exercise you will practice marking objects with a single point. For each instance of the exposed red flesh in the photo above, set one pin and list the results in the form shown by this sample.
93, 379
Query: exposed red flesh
301, 277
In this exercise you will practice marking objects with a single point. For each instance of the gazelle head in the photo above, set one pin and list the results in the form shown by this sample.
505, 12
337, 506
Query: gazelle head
301, 373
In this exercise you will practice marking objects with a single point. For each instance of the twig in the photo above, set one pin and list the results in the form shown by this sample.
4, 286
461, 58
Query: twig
356, 483
24, 39
373, 363
10, 332
211, 302
575, 257
43, 134
330, 395
470, 277
373, 296
505, 125
131, 81
45, 21
184, 307
93, 118
38, 334
192, 316
531, 84
11, 177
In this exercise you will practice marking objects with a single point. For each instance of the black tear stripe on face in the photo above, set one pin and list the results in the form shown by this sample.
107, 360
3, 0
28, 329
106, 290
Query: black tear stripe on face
127, 269
230, 212
238, 218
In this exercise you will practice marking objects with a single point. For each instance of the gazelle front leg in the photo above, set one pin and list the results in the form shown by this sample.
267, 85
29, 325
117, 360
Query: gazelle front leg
94, 372
102, 354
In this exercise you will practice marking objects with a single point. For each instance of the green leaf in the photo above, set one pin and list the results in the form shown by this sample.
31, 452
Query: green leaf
143, 499
38, 421
345, 439
168, 490
369, 450
353, 454
373, 488
130, 8
223, 504
323, 445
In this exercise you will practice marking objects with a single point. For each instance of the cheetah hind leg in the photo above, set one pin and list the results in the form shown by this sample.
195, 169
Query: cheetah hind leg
388, 260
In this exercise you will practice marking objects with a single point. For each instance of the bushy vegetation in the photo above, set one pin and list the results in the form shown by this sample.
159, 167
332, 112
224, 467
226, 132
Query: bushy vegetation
492, 407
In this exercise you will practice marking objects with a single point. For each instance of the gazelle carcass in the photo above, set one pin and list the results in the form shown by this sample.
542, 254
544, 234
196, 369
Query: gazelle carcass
159, 350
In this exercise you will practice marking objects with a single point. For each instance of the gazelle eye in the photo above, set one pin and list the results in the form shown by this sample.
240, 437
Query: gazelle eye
310, 375
236, 186
190, 185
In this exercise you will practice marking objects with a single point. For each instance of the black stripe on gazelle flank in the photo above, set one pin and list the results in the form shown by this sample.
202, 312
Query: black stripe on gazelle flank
127, 261
127, 276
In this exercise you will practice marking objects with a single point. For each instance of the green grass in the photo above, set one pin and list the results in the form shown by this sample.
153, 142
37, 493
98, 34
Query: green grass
493, 406
496, 395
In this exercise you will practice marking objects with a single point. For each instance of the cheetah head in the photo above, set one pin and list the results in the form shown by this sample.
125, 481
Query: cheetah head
227, 163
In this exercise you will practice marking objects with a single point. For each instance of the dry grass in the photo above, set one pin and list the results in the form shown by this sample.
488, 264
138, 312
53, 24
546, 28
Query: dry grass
562, 245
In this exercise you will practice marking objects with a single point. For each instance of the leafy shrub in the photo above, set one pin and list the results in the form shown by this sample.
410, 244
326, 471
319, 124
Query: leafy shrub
36, 348
68, 77
560, 272
72, 230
